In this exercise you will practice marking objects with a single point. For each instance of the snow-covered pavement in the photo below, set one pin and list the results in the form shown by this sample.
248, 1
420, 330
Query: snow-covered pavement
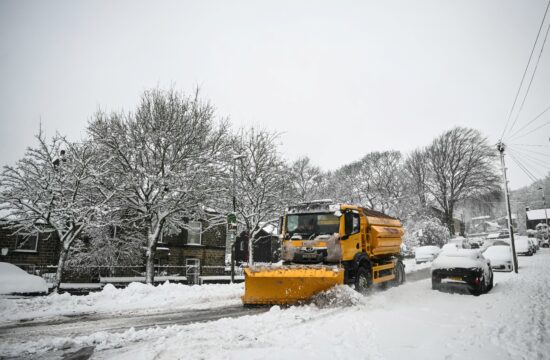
412, 321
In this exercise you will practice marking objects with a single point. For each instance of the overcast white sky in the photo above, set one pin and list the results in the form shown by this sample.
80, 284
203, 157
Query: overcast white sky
338, 79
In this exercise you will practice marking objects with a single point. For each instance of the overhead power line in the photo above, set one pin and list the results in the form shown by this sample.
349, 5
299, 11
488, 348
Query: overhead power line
536, 145
520, 165
532, 77
537, 165
530, 132
530, 122
525, 71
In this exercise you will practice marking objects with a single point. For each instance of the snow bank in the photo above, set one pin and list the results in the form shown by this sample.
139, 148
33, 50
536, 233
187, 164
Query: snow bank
136, 296
410, 321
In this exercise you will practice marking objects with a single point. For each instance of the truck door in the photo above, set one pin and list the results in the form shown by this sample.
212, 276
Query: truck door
351, 241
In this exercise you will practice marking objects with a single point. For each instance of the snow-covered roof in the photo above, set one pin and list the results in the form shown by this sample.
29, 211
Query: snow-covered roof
537, 214
484, 217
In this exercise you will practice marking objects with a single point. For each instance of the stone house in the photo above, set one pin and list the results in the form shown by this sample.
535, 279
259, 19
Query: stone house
32, 253
200, 248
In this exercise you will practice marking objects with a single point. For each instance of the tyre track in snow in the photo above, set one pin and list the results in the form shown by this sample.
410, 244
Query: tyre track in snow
86, 324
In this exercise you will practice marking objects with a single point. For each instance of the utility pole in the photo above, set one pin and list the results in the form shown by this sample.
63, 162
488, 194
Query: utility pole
545, 213
500, 148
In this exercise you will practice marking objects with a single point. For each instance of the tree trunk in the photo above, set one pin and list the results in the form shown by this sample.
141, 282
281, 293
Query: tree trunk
450, 222
151, 251
150, 266
60, 267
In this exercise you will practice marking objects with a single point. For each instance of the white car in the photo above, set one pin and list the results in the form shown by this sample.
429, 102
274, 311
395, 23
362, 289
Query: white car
500, 257
14, 280
426, 253
523, 247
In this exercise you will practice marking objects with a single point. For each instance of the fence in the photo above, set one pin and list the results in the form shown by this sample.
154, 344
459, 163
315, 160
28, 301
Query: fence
94, 273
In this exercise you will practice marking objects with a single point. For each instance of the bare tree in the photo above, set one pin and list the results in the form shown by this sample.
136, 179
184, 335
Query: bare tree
52, 191
306, 179
164, 158
375, 181
416, 168
461, 166
262, 185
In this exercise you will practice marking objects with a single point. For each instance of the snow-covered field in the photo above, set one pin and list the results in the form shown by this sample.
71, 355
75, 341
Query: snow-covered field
410, 321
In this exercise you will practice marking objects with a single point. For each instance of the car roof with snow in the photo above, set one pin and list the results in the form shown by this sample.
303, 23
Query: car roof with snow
497, 249
428, 248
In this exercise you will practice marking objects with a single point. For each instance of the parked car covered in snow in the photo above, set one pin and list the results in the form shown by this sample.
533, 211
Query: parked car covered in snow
500, 257
14, 280
535, 244
449, 247
501, 242
523, 246
462, 268
426, 253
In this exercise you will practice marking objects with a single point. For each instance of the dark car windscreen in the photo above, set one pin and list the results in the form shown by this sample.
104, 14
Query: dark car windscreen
308, 224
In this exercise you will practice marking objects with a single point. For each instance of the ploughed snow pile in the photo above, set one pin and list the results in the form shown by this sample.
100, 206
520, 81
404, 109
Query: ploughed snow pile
136, 297
15, 280
338, 296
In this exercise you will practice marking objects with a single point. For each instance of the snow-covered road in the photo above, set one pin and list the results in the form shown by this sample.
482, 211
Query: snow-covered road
412, 321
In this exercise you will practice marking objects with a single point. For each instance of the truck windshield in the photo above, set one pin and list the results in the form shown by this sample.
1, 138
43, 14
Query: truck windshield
309, 224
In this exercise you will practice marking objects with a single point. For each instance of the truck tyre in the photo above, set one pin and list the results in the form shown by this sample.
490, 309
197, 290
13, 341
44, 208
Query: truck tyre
491, 284
436, 282
363, 280
399, 274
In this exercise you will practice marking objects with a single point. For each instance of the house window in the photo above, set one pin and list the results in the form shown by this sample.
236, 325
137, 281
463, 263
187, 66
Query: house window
26, 243
194, 232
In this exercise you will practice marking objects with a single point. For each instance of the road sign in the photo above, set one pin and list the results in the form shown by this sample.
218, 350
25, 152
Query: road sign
232, 222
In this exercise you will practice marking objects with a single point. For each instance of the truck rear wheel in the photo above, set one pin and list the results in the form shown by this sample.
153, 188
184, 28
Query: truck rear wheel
399, 274
363, 280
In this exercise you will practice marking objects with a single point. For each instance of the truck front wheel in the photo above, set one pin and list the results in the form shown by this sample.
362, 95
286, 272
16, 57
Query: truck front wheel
363, 280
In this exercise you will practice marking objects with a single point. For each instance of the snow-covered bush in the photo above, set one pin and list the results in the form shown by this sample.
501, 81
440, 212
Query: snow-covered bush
425, 230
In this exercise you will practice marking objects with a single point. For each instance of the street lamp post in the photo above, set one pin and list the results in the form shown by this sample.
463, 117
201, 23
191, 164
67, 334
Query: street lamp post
234, 200
545, 213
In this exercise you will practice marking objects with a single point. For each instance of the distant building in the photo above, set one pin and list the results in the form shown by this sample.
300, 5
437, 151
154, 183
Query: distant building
534, 217
458, 225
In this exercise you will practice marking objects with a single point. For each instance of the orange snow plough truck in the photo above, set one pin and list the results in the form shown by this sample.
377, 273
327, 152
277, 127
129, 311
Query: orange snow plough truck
323, 245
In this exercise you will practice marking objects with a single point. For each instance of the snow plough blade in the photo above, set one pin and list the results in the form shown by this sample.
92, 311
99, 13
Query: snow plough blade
284, 286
